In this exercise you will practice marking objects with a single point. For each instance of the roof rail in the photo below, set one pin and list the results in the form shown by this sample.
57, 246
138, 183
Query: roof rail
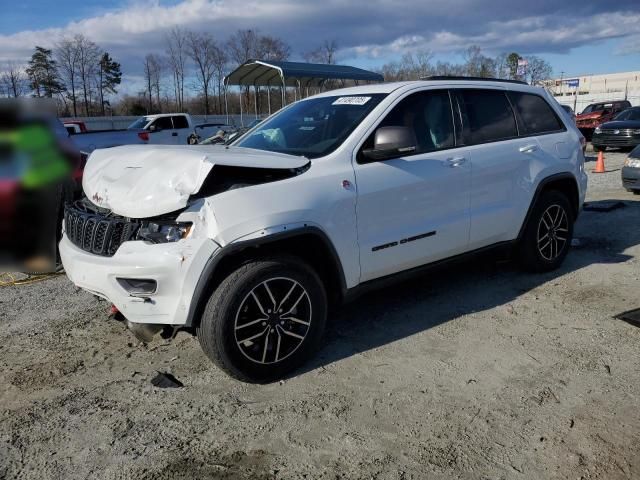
481, 79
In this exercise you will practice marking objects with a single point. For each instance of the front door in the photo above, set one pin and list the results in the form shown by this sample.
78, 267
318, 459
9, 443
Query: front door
414, 209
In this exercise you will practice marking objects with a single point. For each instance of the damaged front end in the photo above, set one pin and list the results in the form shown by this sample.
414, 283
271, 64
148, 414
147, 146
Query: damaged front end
147, 227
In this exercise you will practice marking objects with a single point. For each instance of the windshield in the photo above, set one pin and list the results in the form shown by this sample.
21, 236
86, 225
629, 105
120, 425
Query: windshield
139, 123
312, 128
631, 114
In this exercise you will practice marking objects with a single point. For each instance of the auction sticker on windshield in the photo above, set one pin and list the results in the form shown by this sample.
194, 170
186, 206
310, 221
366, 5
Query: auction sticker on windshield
351, 101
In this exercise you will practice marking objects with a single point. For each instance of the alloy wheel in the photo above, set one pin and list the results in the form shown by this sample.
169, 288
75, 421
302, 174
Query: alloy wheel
553, 232
273, 320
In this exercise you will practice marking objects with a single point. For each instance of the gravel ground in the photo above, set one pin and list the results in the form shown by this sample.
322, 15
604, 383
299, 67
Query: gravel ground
476, 372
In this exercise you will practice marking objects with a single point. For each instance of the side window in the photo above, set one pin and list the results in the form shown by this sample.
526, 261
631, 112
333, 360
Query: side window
536, 116
163, 123
180, 121
428, 114
487, 116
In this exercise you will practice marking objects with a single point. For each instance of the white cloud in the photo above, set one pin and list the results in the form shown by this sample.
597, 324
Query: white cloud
532, 34
374, 29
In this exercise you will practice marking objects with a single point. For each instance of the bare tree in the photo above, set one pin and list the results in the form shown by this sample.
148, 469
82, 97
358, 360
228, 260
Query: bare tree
152, 76
88, 65
13, 79
272, 48
202, 49
537, 69
220, 62
477, 64
177, 61
410, 67
67, 56
325, 53
243, 46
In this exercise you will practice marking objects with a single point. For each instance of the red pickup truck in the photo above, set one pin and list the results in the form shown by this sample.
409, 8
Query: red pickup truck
597, 113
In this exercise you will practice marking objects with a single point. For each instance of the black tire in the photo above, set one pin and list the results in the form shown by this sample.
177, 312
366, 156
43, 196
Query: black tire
534, 254
599, 148
636, 192
231, 310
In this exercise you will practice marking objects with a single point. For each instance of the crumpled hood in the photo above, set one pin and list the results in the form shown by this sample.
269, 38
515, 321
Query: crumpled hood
141, 181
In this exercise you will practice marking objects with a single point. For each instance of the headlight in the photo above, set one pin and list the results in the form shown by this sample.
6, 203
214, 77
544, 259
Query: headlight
632, 162
636, 131
597, 130
164, 232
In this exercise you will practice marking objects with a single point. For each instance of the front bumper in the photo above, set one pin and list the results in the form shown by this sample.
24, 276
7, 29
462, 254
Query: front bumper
631, 178
609, 140
176, 267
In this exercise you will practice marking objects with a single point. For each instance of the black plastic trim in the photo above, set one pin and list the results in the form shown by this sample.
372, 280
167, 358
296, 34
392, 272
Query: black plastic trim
475, 79
543, 183
207, 275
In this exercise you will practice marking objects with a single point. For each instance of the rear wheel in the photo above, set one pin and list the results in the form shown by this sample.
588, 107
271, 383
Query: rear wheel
265, 319
547, 236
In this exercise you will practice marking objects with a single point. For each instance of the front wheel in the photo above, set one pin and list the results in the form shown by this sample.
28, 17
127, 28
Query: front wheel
548, 233
265, 319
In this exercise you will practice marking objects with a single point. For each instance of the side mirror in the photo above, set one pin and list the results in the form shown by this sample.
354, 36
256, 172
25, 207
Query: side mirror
154, 128
391, 142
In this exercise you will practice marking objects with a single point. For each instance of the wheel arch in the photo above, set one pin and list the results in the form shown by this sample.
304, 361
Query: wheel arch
309, 243
565, 183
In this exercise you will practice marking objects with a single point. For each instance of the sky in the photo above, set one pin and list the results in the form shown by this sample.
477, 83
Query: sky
577, 37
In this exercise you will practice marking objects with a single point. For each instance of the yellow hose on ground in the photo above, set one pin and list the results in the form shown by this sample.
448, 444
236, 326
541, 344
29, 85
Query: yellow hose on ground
8, 279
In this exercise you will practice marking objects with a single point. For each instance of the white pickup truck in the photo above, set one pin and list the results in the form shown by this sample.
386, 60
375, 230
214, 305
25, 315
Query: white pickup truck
166, 128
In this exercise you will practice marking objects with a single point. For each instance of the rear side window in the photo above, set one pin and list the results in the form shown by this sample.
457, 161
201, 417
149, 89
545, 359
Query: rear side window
180, 121
536, 116
487, 116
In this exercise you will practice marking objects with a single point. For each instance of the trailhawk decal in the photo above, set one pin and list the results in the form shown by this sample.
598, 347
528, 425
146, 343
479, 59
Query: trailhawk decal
403, 241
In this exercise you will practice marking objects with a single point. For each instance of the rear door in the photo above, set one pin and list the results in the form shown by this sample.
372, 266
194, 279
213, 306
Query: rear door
414, 209
499, 164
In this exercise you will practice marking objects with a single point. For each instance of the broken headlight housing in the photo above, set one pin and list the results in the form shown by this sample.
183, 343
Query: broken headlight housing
164, 232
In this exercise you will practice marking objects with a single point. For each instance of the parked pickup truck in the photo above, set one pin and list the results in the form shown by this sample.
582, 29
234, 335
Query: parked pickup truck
166, 128
90, 140
597, 113
248, 245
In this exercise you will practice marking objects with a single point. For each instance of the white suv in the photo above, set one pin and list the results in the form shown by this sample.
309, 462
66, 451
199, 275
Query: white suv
247, 245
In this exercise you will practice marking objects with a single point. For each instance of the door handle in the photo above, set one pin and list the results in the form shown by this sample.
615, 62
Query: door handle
174, 134
455, 161
528, 148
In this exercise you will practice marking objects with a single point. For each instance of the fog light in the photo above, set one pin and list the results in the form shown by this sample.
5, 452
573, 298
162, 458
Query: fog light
138, 287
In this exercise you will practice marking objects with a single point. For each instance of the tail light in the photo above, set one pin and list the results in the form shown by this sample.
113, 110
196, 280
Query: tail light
144, 136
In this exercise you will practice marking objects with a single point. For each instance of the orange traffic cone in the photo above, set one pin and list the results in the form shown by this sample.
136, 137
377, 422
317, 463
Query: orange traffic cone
599, 163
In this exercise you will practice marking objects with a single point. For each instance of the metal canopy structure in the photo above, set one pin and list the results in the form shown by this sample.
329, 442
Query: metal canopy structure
300, 75
263, 73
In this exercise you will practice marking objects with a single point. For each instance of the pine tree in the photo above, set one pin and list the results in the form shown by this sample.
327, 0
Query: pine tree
43, 73
109, 77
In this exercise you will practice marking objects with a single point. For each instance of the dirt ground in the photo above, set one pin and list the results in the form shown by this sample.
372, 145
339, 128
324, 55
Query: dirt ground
475, 372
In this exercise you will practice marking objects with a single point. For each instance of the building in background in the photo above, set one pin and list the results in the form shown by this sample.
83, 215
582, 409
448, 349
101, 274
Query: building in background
578, 92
